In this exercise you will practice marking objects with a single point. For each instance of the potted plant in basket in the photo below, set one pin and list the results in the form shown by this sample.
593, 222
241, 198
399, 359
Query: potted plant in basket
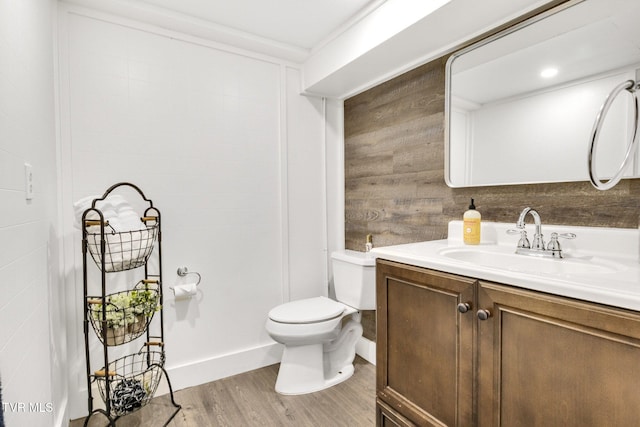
118, 315
144, 303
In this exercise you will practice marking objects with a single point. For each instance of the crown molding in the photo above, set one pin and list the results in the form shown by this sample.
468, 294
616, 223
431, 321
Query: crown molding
195, 27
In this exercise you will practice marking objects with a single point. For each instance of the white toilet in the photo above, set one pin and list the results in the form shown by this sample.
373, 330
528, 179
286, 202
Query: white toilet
318, 349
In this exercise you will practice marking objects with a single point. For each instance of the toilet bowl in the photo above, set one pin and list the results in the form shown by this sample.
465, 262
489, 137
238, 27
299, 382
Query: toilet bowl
320, 334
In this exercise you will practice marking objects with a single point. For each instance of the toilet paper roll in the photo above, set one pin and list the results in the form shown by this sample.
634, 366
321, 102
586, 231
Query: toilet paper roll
185, 291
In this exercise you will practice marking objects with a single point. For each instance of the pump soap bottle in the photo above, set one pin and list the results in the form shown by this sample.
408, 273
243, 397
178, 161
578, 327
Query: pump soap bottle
471, 226
369, 245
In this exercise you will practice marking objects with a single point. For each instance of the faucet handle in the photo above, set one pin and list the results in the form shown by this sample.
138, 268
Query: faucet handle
566, 235
524, 241
554, 244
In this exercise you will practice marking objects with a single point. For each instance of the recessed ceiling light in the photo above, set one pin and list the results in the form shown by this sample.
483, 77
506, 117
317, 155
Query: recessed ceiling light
549, 72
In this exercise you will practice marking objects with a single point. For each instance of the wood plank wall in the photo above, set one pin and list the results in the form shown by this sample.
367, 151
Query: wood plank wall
394, 174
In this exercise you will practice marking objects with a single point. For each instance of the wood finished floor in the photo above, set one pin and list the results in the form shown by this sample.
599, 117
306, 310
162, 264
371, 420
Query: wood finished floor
249, 399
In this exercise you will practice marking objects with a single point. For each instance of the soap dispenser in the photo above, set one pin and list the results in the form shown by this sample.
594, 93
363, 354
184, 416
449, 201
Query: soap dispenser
471, 226
369, 245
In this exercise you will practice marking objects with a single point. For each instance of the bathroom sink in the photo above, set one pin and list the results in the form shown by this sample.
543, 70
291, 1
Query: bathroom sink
600, 265
494, 256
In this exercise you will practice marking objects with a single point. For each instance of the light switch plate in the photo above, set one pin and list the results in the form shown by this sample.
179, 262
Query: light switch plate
28, 181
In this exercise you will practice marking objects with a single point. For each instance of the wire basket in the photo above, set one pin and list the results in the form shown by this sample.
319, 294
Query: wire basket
123, 250
126, 314
133, 381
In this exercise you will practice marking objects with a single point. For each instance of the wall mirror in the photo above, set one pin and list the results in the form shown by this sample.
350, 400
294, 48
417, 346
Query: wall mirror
521, 105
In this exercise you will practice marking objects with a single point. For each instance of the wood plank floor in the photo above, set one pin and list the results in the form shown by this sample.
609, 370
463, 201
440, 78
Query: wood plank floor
249, 399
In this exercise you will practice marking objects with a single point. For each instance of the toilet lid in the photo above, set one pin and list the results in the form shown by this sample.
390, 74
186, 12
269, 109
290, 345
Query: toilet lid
308, 310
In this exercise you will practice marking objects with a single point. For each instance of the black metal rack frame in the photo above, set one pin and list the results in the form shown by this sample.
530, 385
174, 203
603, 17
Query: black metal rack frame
151, 362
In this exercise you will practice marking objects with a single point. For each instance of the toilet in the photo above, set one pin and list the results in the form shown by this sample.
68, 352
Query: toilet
320, 334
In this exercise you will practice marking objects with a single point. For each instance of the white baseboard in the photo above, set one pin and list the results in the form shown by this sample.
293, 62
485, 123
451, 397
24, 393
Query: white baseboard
366, 349
215, 368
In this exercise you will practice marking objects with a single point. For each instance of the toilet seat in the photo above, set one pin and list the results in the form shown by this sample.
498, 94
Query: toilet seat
310, 310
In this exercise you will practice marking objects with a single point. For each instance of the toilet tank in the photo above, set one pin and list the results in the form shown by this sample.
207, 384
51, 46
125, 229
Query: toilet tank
354, 278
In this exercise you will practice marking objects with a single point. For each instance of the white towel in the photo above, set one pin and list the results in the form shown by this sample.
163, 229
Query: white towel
129, 220
80, 206
115, 208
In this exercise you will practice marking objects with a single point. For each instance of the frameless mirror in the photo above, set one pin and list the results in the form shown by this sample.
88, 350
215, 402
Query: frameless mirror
521, 105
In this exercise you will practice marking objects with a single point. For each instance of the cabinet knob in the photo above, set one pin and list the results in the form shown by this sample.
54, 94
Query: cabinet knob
483, 314
463, 307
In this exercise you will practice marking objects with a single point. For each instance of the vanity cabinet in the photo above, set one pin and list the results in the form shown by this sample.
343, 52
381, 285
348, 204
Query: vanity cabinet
424, 347
552, 361
535, 359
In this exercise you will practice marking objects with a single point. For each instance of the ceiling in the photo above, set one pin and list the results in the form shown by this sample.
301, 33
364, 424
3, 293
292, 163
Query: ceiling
302, 24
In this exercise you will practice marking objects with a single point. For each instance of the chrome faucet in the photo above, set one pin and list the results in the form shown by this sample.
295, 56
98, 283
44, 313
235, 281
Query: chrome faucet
538, 240
538, 248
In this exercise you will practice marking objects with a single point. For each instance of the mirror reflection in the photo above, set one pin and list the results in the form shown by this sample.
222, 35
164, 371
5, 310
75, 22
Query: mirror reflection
521, 105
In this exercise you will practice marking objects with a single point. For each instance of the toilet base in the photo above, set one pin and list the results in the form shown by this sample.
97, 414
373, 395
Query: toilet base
313, 367
302, 371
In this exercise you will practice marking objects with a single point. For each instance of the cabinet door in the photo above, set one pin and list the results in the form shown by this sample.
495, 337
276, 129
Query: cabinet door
552, 361
387, 417
424, 344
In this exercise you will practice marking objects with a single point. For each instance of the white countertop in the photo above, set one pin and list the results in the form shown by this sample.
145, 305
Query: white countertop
610, 256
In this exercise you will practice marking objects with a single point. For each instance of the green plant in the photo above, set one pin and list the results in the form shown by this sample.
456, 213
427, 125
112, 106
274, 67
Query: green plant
117, 311
126, 314
144, 302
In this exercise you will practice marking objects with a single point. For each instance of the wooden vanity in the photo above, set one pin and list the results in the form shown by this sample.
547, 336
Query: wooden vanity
535, 360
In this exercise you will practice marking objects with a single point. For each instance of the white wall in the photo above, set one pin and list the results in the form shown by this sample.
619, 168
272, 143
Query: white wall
32, 336
307, 226
334, 136
233, 157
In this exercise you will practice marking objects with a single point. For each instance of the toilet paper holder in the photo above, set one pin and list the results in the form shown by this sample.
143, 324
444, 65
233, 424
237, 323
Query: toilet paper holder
184, 271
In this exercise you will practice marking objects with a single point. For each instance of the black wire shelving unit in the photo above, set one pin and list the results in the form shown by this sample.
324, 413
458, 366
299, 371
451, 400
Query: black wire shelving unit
129, 382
